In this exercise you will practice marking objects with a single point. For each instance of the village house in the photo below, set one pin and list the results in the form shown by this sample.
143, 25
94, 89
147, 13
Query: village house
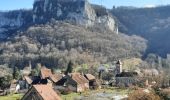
77, 82
41, 92
59, 81
92, 81
14, 87
27, 81
1, 92
45, 77
45, 73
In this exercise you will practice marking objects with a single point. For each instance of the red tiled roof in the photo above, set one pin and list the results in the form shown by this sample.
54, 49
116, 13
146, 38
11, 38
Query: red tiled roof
56, 77
90, 77
46, 92
78, 78
45, 72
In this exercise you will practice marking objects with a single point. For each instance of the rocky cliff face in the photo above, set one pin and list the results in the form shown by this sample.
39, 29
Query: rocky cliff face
76, 11
9, 22
12, 21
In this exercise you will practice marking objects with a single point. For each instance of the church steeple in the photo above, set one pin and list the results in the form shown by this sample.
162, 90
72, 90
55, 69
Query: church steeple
118, 67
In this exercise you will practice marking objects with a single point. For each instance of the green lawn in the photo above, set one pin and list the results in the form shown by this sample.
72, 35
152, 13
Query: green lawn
112, 90
70, 96
11, 97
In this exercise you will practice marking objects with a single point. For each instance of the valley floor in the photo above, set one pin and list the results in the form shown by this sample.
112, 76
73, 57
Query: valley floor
11, 97
101, 94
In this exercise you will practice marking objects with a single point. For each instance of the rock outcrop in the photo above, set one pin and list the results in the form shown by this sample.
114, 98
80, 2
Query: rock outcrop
76, 11
13, 20
8, 22
79, 12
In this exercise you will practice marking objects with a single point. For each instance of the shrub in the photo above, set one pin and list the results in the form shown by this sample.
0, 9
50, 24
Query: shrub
141, 95
66, 91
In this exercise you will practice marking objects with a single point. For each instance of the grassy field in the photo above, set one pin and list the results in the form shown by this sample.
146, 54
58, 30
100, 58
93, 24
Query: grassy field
72, 96
11, 97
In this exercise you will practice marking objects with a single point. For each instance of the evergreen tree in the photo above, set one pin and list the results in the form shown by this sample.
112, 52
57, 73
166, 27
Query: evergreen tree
16, 73
53, 70
35, 71
69, 68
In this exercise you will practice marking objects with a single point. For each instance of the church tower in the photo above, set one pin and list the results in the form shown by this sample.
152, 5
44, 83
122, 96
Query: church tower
118, 67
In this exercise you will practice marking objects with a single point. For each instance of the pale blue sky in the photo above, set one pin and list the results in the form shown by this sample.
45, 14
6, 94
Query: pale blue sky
27, 4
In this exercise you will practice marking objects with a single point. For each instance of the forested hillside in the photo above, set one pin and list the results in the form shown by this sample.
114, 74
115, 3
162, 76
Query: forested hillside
56, 43
85, 33
57, 31
151, 23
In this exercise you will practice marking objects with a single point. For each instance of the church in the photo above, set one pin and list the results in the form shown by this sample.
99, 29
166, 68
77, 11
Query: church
124, 78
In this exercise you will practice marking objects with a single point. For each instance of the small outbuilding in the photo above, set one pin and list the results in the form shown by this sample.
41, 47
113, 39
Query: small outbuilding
77, 82
92, 81
14, 88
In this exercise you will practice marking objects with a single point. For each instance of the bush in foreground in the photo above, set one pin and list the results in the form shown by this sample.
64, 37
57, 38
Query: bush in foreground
141, 95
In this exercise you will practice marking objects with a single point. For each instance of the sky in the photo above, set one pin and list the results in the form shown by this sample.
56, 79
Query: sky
27, 4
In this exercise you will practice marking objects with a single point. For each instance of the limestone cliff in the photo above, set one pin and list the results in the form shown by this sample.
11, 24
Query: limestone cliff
79, 12
76, 11
12, 21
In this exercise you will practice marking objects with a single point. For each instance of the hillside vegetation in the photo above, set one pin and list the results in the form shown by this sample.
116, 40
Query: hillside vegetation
151, 23
55, 43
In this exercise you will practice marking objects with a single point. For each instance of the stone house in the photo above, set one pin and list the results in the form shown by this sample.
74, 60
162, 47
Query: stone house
45, 73
41, 92
77, 82
59, 82
46, 77
25, 82
93, 84
14, 88
1, 92
58, 79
